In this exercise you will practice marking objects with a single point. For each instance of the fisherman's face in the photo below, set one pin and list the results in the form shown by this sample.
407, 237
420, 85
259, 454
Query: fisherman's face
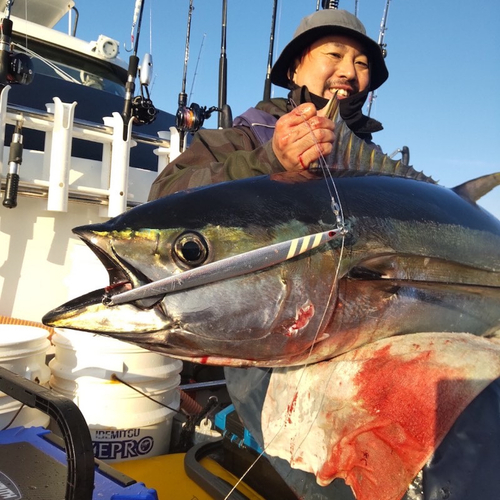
333, 64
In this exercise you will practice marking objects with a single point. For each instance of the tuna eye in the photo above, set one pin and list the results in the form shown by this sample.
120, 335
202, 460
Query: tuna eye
191, 249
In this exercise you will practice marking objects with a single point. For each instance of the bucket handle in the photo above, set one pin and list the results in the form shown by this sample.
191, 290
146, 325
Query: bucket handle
68, 417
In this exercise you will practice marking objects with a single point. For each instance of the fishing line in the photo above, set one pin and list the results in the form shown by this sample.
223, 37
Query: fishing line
59, 71
331, 112
26, 21
115, 378
151, 27
339, 216
196, 68
13, 418
337, 209
250, 467
136, 22
332, 109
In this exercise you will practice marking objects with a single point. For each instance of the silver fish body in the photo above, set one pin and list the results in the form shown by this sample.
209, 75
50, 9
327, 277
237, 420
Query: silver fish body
417, 257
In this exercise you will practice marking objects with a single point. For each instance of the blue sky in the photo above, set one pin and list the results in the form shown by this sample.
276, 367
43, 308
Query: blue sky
441, 99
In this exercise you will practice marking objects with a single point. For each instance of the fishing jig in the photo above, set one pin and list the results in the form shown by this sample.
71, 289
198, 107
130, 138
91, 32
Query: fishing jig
237, 265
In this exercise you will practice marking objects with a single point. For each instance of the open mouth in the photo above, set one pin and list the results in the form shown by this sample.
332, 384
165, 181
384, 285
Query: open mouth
341, 93
122, 275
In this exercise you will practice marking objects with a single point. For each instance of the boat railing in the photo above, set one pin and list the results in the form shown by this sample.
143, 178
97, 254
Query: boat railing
62, 177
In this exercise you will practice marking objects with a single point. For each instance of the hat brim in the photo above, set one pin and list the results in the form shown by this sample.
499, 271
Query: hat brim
378, 69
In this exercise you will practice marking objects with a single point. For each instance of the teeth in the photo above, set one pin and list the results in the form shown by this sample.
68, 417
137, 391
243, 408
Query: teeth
341, 92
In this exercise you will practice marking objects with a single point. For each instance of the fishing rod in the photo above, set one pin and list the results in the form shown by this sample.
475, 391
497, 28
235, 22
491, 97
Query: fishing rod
334, 4
15, 160
381, 35
196, 67
330, 4
267, 83
14, 68
190, 119
225, 119
182, 118
5, 41
133, 65
140, 108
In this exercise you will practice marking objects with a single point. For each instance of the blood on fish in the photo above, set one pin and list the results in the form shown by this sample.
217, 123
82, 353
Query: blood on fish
304, 315
404, 420
291, 407
393, 393
126, 284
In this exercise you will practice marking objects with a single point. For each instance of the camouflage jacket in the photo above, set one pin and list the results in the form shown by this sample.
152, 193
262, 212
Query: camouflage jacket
221, 155
236, 153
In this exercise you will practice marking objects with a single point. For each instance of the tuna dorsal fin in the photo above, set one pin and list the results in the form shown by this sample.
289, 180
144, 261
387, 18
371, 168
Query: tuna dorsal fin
353, 155
477, 188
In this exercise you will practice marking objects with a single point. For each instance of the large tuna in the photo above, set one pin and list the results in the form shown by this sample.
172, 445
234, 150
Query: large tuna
361, 283
416, 257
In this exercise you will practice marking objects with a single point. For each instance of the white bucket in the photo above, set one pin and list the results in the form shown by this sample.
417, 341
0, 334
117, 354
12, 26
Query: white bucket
124, 424
23, 350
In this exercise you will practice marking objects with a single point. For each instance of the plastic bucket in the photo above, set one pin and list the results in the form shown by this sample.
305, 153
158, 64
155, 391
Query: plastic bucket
23, 350
124, 424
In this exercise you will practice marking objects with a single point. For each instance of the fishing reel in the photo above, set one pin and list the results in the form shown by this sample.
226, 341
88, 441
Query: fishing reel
143, 109
190, 119
14, 67
19, 69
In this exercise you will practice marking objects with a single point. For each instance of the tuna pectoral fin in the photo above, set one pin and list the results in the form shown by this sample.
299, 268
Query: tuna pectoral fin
375, 415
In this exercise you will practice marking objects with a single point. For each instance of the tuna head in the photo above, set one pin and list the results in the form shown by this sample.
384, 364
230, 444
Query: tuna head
262, 317
417, 257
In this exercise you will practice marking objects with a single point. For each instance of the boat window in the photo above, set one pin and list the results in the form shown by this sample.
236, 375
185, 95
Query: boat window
59, 63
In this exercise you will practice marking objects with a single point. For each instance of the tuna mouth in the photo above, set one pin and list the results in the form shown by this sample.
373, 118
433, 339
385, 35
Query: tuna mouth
122, 275
92, 312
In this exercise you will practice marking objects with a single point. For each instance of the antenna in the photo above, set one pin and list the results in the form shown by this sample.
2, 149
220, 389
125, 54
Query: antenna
381, 35
267, 83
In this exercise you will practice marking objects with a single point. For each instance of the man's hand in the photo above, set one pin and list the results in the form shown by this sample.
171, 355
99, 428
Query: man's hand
301, 136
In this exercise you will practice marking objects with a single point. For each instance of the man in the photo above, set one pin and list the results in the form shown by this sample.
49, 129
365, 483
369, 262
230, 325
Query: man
329, 53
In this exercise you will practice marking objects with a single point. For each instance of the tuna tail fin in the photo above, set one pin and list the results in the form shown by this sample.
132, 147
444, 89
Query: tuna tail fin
352, 155
477, 188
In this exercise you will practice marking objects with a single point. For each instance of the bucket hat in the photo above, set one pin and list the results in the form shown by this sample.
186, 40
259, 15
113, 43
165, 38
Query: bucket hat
323, 23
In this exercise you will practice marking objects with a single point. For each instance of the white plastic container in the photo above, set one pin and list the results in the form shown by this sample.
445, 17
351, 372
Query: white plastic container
124, 424
23, 350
